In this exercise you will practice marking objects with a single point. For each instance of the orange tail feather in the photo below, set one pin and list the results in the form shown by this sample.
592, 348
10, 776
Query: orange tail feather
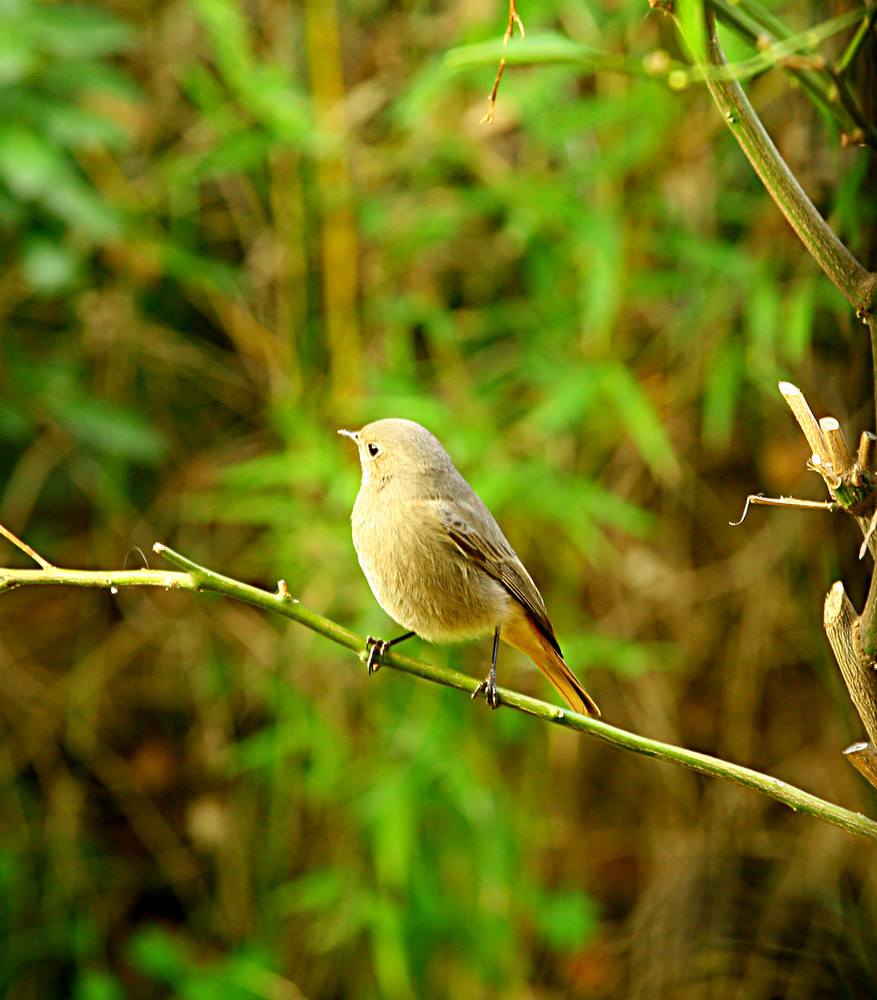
521, 633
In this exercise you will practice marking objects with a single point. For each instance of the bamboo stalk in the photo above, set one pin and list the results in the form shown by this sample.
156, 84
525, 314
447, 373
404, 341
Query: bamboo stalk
339, 238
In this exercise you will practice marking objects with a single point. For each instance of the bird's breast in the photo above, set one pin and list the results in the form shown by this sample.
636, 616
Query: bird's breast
419, 577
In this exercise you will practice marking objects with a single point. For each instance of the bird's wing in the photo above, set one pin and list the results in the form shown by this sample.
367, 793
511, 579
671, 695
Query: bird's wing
490, 551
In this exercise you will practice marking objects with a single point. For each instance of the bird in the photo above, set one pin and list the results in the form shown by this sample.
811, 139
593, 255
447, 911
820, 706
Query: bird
437, 561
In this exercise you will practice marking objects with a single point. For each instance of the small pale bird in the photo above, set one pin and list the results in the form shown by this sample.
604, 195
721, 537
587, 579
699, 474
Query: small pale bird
437, 561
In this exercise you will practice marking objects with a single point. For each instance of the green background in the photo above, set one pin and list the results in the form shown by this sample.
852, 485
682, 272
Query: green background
228, 229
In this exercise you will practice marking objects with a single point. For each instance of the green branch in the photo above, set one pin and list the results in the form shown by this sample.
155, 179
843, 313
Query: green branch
823, 81
198, 578
856, 284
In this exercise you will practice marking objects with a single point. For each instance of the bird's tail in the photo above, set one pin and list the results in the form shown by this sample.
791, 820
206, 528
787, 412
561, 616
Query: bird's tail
525, 636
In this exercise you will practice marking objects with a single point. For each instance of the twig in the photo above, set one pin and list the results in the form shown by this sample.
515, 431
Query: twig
198, 578
791, 51
759, 498
106, 579
843, 64
806, 421
853, 638
514, 19
18, 543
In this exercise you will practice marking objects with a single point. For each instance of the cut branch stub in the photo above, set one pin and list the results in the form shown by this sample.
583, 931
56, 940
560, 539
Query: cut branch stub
867, 457
850, 483
806, 421
840, 455
859, 674
863, 757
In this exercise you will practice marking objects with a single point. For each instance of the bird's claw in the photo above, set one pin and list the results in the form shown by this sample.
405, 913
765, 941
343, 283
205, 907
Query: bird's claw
376, 649
491, 693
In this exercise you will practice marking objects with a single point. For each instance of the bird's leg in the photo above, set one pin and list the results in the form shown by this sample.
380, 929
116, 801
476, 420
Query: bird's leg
488, 685
377, 647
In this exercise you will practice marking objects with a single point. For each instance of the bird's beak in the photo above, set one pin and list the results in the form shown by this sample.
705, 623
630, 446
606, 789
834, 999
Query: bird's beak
353, 435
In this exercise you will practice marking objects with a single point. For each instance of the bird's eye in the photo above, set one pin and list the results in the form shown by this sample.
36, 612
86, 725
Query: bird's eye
372, 449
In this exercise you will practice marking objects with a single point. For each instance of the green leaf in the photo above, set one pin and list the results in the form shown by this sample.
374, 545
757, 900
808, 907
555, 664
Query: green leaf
721, 392
266, 90
692, 22
17, 59
567, 920
799, 319
29, 164
544, 48
36, 170
49, 266
98, 984
640, 418
108, 428
157, 954
77, 31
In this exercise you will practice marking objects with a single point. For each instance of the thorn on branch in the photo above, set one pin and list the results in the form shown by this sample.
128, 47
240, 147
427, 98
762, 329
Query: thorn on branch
142, 554
760, 498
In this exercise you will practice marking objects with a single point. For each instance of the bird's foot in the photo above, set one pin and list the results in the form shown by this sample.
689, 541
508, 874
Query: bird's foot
488, 686
376, 649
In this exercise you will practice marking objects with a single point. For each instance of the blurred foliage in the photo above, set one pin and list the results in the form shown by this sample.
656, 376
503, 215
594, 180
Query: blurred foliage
228, 228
